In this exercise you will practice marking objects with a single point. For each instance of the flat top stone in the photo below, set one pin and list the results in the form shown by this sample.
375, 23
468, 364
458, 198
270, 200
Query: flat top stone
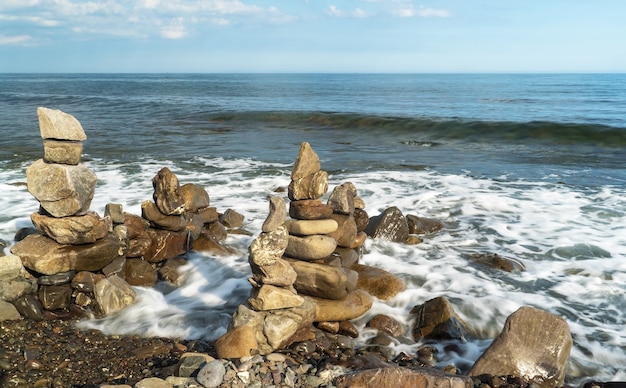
56, 124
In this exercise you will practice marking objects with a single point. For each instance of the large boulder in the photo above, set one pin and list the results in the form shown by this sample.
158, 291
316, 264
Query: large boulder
166, 245
423, 225
62, 190
44, 255
391, 225
377, 282
436, 319
534, 344
195, 197
56, 124
74, 230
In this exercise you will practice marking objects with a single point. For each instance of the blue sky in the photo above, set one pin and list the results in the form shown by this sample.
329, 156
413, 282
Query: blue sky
312, 36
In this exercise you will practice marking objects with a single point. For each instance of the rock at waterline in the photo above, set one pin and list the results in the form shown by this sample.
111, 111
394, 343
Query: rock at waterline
377, 282
391, 225
423, 225
534, 344
436, 319
397, 377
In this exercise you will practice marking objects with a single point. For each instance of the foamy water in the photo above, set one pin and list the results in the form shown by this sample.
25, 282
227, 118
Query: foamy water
571, 240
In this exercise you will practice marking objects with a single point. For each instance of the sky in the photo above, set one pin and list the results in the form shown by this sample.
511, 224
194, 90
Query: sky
304, 36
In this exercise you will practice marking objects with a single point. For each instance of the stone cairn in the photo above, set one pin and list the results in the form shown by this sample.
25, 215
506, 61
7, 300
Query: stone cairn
302, 266
76, 263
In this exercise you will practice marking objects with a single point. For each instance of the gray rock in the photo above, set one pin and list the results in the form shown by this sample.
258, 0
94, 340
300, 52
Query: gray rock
10, 267
534, 344
267, 247
115, 211
62, 190
402, 377
190, 365
62, 152
56, 124
153, 382
341, 199
11, 290
57, 279
307, 162
212, 374
74, 230
8, 312
277, 214
310, 247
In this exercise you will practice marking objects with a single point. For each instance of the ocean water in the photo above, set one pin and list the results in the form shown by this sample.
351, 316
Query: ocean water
531, 167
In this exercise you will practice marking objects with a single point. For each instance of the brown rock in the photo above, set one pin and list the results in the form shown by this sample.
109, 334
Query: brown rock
378, 282
279, 273
115, 212
323, 281
359, 240
237, 343
62, 152
135, 224
8, 312
44, 255
307, 162
208, 244
423, 225
170, 271
151, 212
309, 209
391, 225
231, 219
436, 319
209, 214
309, 187
270, 297
217, 231
139, 272
55, 297
398, 377
386, 324
166, 245
283, 327
310, 247
496, 261
167, 194
361, 218
329, 327
56, 124
73, 230
113, 294
194, 197
355, 304
62, 190
277, 214
85, 281
139, 246
347, 328
346, 231
349, 257
534, 344
116, 267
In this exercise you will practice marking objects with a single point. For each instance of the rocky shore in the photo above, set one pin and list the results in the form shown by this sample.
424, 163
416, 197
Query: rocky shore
308, 284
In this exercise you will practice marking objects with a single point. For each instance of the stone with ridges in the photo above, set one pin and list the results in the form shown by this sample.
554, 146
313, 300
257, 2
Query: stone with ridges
74, 230
307, 162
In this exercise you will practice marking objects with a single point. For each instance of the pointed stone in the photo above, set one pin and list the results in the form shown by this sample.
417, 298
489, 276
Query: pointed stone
307, 162
277, 214
56, 124
391, 225
341, 199
167, 193
436, 319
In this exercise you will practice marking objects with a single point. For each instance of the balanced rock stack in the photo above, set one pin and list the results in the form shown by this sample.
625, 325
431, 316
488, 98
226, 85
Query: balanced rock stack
298, 277
72, 241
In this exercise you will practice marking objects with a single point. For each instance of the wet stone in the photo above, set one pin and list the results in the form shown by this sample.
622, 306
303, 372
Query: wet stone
56, 279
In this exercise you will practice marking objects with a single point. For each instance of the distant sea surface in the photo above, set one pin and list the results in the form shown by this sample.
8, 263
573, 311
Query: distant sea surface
529, 166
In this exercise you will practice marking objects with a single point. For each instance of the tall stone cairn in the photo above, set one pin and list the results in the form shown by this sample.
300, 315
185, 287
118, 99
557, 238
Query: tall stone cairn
298, 272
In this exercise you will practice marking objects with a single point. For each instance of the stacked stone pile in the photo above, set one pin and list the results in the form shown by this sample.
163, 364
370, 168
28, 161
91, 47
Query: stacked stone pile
76, 263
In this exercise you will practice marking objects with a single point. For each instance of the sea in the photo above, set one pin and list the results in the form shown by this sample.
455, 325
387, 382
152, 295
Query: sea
527, 166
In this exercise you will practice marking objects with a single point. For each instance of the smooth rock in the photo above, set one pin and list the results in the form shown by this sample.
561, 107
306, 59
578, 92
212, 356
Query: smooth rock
167, 193
62, 190
309, 209
496, 261
436, 319
153, 382
139, 272
151, 212
44, 255
29, 307
310, 247
391, 225
268, 247
236, 343
341, 199
135, 224
195, 197
346, 231
329, 327
348, 257
56, 124
74, 230
347, 328
10, 267
209, 214
359, 240
280, 273
212, 374
355, 304
55, 297
311, 227
57, 279
386, 324
62, 151
398, 377
534, 344
307, 162
113, 294
423, 225
115, 211
270, 297
309, 187
276, 216
283, 327
232, 219
8, 312
323, 281
378, 282
216, 230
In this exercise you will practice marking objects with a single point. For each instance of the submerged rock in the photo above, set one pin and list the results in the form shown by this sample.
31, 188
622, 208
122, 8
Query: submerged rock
436, 319
391, 225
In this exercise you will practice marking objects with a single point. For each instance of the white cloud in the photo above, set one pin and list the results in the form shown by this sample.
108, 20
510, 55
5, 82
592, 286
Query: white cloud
409, 11
357, 13
175, 29
15, 40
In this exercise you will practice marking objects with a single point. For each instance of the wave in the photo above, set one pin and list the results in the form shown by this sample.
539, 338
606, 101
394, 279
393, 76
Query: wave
435, 129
